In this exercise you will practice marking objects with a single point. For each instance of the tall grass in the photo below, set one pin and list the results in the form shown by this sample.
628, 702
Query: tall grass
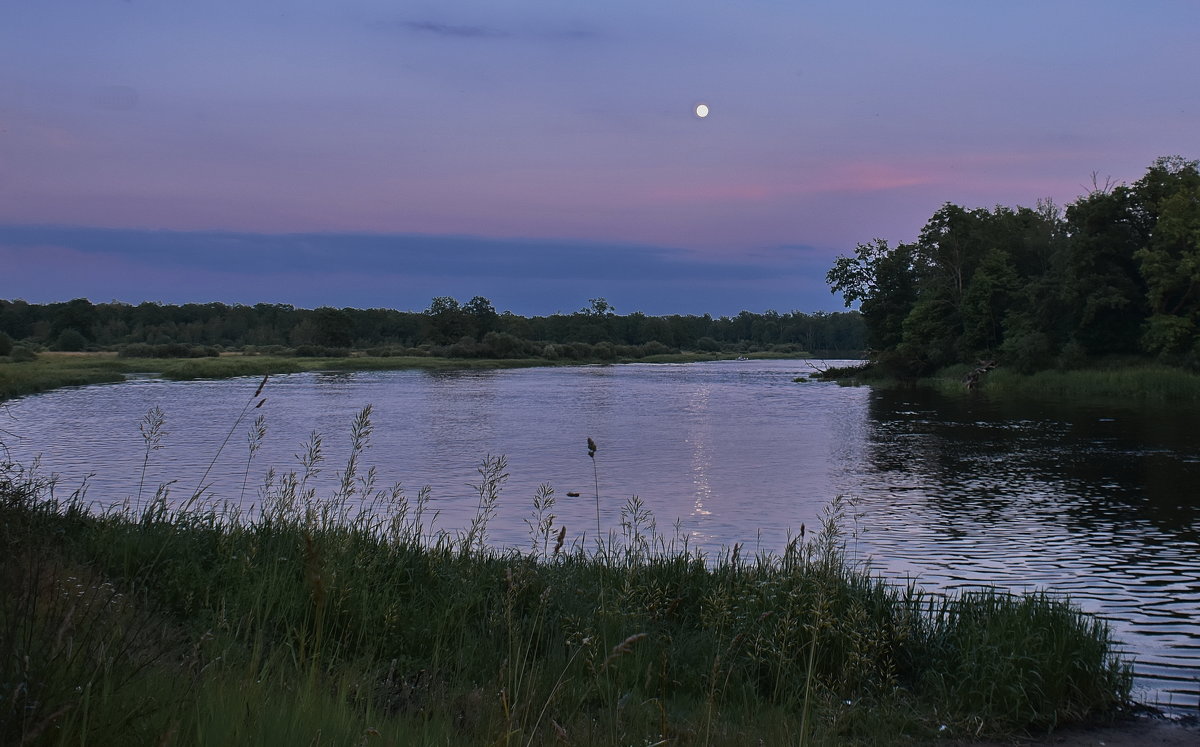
1138, 383
350, 619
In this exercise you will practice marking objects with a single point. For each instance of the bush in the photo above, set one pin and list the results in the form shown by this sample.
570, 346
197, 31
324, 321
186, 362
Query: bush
654, 347
21, 353
70, 340
167, 350
504, 345
604, 351
466, 347
1027, 352
6, 344
320, 351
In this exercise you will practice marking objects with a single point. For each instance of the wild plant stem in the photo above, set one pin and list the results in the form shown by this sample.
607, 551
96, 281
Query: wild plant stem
241, 416
596, 483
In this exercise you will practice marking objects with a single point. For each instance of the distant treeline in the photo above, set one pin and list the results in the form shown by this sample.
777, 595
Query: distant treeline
1116, 274
446, 328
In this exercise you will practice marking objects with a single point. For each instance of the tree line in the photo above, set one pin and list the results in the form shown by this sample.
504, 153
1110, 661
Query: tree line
447, 327
1116, 274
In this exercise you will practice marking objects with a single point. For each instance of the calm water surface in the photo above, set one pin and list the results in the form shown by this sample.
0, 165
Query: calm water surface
1098, 502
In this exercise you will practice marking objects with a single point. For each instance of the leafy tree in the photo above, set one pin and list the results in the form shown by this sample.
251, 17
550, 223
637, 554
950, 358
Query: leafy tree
332, 328
883, 282
447, 323
599, 307
1169, 196
987, 301
1102, 291
78, 314
481, 315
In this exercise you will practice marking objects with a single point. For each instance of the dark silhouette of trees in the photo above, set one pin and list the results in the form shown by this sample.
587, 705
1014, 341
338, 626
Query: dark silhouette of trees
446, 327
1118, 274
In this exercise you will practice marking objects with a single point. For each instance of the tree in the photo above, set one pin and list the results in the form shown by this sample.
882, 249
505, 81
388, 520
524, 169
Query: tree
332, 328
599, 307
77, 314
1168, 202
447, 322
883, 282
481, 314
1103, 294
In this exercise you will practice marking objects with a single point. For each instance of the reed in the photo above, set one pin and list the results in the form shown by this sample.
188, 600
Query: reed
349, 618
1145, 383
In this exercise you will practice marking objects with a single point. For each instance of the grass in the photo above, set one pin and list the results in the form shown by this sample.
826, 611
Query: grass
1123, 381
347, 619
52, 371
56, 370
1148, 383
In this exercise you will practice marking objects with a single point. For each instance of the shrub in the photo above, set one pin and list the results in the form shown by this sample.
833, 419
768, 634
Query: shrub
320, 351
167, 350
21, 353
503, 345
654, 347
70, 340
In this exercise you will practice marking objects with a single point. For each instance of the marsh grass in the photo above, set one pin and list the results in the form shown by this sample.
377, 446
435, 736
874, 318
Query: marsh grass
1136, 383
53, 370
1118, 381
349, 619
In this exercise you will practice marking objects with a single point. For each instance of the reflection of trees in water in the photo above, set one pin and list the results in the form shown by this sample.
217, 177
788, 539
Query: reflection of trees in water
1096, 469
1098, 504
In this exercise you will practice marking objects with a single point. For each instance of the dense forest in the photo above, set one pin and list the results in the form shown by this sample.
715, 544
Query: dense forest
447, 328
1117, 274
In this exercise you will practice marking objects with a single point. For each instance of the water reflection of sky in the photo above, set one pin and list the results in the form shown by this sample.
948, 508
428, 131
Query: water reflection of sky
1099, 503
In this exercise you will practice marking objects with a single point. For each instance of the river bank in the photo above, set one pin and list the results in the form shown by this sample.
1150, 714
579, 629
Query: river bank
311, 617
52, 370
1130, 381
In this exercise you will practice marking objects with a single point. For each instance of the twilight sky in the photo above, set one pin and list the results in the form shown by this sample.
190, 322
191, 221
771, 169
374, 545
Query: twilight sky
543, 152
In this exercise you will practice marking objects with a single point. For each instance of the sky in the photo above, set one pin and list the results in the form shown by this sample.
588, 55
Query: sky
541, 153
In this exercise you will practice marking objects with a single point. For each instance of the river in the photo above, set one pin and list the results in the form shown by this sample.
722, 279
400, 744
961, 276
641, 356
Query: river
1098, 502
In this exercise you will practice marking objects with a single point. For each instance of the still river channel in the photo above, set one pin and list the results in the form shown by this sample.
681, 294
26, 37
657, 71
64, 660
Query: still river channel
1100, 502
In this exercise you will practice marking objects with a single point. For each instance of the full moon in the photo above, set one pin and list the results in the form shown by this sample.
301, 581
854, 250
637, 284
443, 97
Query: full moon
701, 110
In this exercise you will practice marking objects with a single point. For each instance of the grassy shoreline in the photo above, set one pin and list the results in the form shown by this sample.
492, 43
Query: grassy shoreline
55, 370
1136, 382
206, 628
347, 619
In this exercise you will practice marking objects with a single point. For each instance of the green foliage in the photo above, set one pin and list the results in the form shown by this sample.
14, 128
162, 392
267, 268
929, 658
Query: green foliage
322, 616
169, 350
1118, 274
274, 328
883, 280
350, 618
6, 344
70, 340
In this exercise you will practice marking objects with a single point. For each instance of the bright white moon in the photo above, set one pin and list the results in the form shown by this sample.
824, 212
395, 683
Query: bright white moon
701, 110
